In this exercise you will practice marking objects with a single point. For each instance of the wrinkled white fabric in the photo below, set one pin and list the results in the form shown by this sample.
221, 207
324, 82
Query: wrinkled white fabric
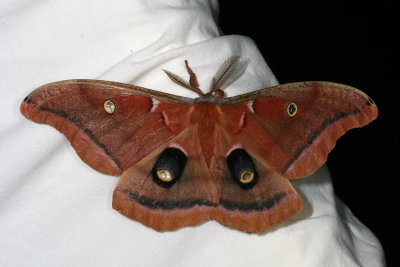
56, 211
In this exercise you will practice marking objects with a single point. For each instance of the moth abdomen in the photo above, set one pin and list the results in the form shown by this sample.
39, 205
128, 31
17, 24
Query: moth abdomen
169, 167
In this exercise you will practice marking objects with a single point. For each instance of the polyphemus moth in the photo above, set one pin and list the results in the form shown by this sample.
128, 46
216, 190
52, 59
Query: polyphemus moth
184, 160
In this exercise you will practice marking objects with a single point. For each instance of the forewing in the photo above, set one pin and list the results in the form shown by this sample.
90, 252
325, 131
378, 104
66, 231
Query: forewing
109, 143
296, 146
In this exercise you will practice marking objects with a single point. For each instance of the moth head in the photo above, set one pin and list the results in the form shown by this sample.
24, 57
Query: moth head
218, 94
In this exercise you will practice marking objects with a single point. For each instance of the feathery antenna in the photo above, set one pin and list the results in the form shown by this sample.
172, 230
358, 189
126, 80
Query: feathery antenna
180, 81
223, 74
220, 78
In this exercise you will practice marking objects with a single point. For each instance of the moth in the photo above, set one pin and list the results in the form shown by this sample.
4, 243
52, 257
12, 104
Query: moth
184, 161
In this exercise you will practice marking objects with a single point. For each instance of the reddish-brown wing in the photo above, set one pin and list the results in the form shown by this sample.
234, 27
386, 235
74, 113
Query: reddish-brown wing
206, 189
269, 200
109, 143
296, 146
191, 200
129, 141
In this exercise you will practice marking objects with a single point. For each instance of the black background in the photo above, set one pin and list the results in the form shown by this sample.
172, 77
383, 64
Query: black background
345, 44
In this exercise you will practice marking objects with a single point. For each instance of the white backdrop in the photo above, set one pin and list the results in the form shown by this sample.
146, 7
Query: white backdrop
56, 211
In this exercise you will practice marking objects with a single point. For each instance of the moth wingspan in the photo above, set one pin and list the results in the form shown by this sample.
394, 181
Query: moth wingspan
185, 161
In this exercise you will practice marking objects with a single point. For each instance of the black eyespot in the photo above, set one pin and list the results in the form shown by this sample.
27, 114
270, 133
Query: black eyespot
169, 167
242, 168
291, 109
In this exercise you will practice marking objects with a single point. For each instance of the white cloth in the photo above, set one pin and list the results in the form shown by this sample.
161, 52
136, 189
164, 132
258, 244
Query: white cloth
56, 211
